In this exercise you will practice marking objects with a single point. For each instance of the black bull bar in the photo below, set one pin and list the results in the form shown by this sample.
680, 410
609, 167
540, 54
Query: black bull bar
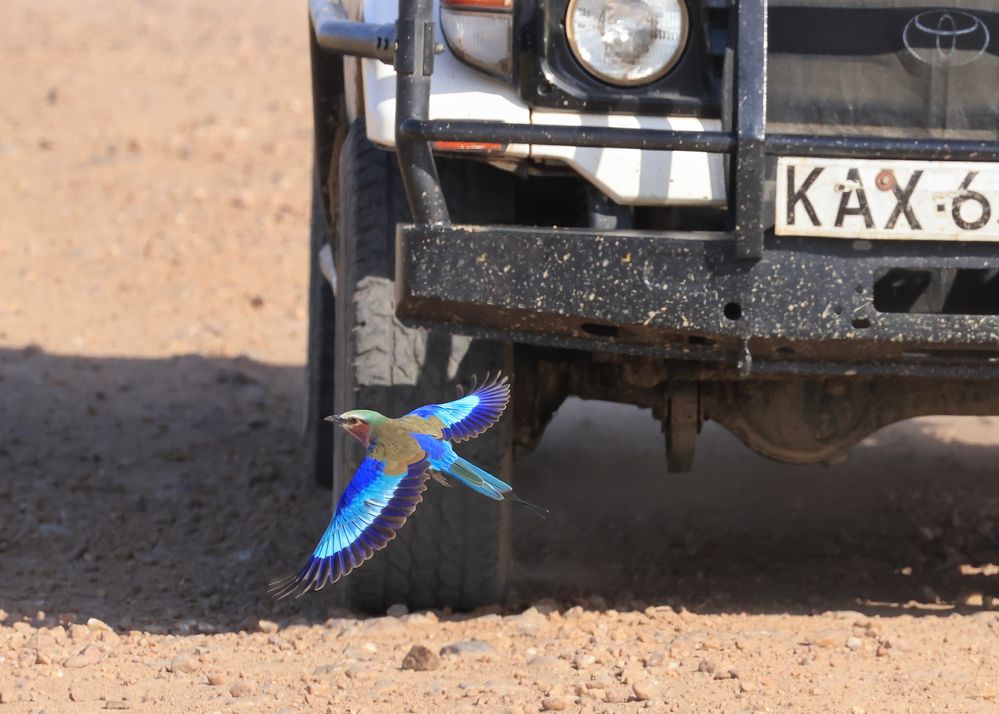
744, 297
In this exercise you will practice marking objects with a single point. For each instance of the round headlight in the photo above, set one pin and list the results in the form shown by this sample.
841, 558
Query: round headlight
627, 42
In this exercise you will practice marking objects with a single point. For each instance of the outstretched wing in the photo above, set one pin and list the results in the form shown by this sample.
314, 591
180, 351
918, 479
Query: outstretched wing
372, 508
471, 415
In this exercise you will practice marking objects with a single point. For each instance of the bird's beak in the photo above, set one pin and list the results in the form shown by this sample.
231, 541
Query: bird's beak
335, 419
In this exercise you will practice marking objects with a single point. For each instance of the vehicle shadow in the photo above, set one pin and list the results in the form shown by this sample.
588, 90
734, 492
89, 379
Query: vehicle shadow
152, 492
164, 494
909, 524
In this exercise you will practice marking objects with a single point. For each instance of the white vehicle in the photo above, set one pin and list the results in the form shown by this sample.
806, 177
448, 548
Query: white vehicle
782, 218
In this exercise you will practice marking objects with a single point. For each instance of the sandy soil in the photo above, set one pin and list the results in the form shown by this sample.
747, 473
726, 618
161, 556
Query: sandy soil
154, 164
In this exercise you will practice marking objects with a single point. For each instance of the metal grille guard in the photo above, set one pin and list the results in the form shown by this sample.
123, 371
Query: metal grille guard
410, 47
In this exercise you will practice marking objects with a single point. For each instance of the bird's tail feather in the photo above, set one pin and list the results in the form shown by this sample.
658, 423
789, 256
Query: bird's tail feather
539, 511
488, 485
478, 480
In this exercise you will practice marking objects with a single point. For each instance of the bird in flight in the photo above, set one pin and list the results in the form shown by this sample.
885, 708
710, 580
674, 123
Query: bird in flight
400, 454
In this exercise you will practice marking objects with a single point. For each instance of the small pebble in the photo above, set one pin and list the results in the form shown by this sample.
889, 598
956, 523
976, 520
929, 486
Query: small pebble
645, 689
215, 678
79, 633
183, 664
397, 610
268, 627
94, 624
473, 648
828, 638
242, 688
554, 704
420, 618
421, 659
617, 695
600, 681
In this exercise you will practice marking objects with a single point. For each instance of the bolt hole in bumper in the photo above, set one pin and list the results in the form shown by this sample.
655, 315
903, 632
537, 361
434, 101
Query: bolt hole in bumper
745, 298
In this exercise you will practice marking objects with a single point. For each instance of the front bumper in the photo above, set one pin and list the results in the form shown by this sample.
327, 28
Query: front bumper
807, 306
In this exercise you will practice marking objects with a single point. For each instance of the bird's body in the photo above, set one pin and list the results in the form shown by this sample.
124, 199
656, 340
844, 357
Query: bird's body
389, 483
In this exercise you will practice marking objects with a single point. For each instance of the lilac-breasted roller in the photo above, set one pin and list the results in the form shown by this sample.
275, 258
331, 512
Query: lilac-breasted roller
387, 486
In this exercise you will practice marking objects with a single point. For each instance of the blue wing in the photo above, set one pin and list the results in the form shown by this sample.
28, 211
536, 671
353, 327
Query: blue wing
372, 508
471, 415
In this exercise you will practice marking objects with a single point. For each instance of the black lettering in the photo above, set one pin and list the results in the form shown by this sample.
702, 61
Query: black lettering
862, 209
902, 207
800, 196
969, 195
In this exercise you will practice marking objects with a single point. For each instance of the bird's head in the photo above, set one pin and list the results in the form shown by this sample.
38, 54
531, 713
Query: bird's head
358, 423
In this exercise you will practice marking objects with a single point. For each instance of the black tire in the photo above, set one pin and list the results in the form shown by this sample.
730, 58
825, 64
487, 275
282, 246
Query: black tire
453, 551
319, 369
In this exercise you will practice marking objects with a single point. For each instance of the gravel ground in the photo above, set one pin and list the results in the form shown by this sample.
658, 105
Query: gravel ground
153, 225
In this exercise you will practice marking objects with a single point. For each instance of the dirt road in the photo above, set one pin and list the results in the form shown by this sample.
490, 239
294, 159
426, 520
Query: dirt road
154, 166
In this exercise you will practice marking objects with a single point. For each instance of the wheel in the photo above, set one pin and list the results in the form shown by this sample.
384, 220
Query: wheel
319, 365
453, 552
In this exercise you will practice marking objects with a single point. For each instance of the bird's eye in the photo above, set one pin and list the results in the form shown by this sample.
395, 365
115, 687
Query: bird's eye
353, 421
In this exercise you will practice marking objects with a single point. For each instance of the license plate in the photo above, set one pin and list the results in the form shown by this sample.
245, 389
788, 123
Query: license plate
910, 200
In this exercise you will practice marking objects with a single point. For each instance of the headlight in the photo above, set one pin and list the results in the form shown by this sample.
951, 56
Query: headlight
627, 42
480, 32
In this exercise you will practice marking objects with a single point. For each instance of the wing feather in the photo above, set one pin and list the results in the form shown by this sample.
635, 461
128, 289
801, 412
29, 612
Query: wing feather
469, 416
372, 508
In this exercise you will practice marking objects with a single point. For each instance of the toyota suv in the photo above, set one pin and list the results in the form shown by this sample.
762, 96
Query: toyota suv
782, 216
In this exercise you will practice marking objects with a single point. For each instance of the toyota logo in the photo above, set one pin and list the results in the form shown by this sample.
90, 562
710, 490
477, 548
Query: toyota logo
946, 38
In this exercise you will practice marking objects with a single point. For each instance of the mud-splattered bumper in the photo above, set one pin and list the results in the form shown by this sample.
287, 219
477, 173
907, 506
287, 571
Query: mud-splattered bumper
806, 306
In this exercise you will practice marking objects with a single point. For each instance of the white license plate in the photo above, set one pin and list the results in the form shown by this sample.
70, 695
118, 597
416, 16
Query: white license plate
910, 200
